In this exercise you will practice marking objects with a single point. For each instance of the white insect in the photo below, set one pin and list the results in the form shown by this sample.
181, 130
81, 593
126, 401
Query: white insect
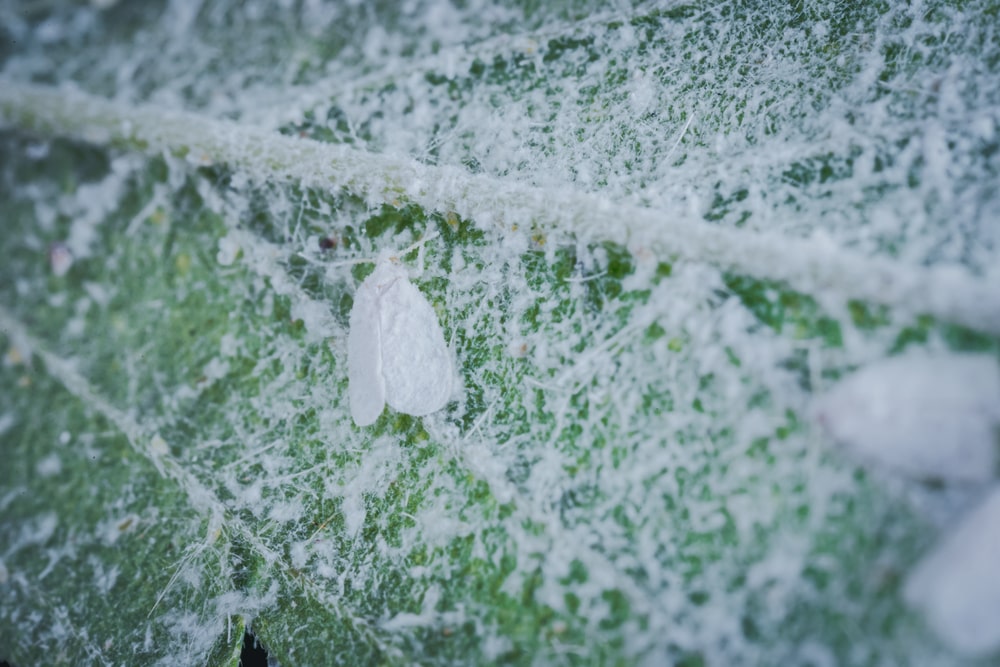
60, 259
933, 417
396, 352
957, 586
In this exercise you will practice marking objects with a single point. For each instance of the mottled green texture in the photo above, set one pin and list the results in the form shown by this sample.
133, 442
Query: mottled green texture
628, 472
98, 585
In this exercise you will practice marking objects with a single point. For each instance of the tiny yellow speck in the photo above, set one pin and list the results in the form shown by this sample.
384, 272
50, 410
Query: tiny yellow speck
183, 263
14, 357
452, 219
24, 381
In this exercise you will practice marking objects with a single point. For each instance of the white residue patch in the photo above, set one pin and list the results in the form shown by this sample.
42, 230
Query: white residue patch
370, 478
229, 248
215, 369
229, 345
284, 512
159, 446
100, 293
428, 615
49, 466
35, 531
91, 204
7, 422
77, 324
299, 553
353, 508
316, 318
104, 575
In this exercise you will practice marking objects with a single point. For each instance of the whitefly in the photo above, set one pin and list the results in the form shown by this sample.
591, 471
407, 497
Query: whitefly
396, 351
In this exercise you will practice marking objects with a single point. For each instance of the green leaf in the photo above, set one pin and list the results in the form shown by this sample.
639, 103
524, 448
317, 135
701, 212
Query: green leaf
660, 231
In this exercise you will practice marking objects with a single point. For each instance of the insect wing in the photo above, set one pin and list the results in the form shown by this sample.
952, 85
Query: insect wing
957, 585
930, 418
416, 363
366, 386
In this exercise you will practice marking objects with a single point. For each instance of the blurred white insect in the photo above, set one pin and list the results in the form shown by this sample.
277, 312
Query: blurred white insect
930, 418
936, 418
396, 352
957, 586
60, 259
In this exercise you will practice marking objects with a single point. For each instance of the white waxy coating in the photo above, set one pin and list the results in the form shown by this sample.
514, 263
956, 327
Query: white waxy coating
957, 586
926, 417
396, 352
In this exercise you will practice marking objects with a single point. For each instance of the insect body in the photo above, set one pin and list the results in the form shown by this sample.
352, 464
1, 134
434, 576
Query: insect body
957, 586
932, 417
396, 352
